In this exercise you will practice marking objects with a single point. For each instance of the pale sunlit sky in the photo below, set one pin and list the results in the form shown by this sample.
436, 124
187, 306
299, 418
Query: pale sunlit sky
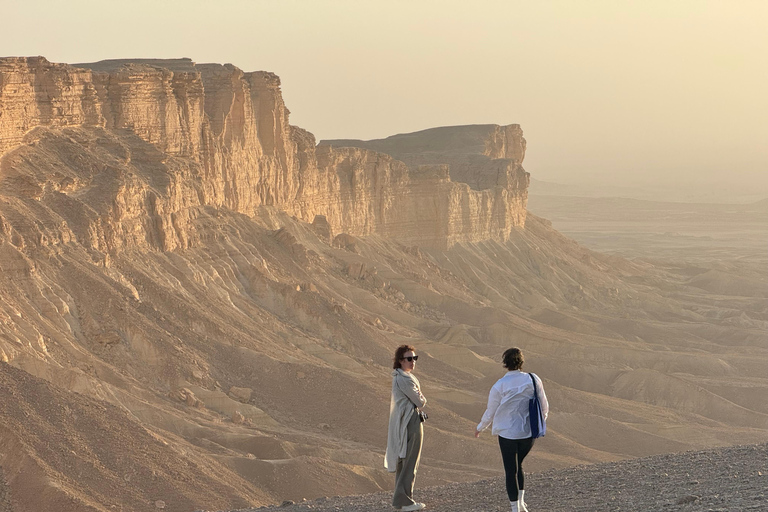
673, 92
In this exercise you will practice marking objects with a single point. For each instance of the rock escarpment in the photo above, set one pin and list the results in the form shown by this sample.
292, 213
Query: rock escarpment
174, 136
482, 156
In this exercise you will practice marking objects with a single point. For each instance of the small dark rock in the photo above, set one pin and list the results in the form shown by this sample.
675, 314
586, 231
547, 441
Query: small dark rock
687, 499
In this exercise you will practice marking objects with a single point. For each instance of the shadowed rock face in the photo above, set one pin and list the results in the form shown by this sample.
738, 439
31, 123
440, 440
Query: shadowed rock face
221, 138
223, 298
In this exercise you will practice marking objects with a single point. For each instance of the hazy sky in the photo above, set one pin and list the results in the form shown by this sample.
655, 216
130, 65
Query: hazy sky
619, 91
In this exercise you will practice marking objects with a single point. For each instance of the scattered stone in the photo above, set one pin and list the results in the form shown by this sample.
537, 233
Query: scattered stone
187, 396
289, 242
355, 270
240, 394
619, 486
321, 228
380, 283
346, 242
359, 270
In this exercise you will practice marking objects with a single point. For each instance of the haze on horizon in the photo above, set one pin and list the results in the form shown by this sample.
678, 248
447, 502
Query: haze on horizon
667, 95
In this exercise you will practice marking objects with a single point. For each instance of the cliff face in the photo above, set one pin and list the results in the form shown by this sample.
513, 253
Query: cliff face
34, 92
166, 137
468, 182
482, 156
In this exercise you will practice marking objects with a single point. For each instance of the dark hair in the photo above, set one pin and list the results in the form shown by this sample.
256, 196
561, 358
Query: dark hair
401, 350
513, 358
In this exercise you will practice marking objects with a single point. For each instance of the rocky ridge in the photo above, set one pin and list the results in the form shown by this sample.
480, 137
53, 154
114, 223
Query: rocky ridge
221, 138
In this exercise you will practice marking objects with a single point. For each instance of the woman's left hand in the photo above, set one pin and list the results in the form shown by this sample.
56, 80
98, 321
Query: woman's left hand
477, 433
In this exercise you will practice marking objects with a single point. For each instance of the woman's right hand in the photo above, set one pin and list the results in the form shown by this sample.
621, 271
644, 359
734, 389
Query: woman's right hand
477, 433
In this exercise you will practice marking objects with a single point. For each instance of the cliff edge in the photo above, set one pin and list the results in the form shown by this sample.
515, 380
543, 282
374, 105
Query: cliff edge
170, 136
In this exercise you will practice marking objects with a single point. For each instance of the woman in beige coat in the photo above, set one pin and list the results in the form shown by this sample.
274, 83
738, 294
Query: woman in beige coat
406, 432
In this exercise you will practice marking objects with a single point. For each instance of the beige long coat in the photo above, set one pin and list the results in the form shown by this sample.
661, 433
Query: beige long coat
406, 396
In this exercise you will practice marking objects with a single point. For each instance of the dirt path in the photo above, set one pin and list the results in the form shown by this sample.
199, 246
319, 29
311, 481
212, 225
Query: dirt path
721, 480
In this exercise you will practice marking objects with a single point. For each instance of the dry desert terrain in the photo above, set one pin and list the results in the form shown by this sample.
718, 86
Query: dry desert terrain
199, 303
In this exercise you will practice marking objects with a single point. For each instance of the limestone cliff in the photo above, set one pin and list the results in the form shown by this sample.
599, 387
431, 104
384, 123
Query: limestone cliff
483, 156
172, 136
468, 181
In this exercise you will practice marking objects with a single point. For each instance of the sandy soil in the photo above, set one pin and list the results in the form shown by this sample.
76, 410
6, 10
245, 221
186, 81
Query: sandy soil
63, 451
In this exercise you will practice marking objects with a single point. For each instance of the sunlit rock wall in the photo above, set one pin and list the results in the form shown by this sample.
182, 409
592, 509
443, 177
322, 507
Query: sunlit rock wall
144, 143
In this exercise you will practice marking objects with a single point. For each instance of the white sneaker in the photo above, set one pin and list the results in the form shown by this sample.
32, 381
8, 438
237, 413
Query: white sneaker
521, 502
415, 506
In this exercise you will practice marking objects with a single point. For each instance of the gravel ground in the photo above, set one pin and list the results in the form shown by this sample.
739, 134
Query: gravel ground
731, 479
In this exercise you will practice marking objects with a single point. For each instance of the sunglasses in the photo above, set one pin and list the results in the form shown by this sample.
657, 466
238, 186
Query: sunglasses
410, 358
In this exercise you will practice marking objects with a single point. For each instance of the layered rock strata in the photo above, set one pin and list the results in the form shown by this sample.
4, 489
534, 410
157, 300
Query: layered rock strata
482, 156
175, 136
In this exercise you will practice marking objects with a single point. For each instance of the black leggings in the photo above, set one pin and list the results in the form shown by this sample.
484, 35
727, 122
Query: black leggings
513, 451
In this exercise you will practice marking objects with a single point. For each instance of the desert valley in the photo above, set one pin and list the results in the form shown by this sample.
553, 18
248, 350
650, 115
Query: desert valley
199, 302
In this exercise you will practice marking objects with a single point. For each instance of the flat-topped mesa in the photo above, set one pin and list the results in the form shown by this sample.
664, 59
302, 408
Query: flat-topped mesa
164, 137
482, 156
484, 188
